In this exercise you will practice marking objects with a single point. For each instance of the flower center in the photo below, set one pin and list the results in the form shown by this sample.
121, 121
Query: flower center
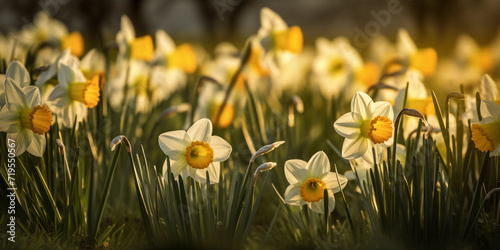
199, 155
37, 119
425, 61
142, 48
312, 189
378, 130
290, 39
226, 115
86, 92
486, 137
183, 58
74, 42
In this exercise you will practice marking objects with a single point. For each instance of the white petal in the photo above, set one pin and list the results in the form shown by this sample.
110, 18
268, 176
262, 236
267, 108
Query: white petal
354, 148
32, 95
127, 28
296, 171
332, 183
22, 139
9, 121
177, 168
14, 94
65, 75
318, 164
292, 195
18, 73
173, 141
362, 104
37, 145
488, 88
383, 109
58, 92
222, 149
201, 130
379, 150
347, 127
490, 109
200, 176
164, 43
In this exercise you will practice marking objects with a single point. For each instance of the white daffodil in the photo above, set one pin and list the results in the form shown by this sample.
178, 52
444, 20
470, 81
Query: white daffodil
195, 152
169, 55
486, 133
73, 95
17, 72
369, 125
45, 29
23, 118
338, 65
130, 46
275, 35
488, 90
308, 181
423, 60
210, 101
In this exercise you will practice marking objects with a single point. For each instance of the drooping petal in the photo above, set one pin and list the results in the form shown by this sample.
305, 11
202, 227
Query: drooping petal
37, 145
296, 171
318, 164
354, 148
201, 130
173, 141
347, 127
292, 195
222, 149
332, 183
362, 104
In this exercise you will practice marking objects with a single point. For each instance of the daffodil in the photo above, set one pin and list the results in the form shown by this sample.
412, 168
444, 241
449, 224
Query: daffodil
133, 47
309, 180
368, 126
486, 133
276, 35
423, 60
18, 73
181, 57
24, 119
45, 29
73, 95
338, 65
488, 90
195, 152
92, 64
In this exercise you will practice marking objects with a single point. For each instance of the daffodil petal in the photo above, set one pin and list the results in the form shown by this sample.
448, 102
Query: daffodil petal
18, 73
37, 145
362, 104
14, 94
127, 28
199, 175
296, 171
354, 148
346, 126
490, 109
383, 109
319, 206
332, 183
177, 168
22, 139
173, 141
318, 164
222, 149
292, 195
9, 121
488, 88
201, 130
32, 95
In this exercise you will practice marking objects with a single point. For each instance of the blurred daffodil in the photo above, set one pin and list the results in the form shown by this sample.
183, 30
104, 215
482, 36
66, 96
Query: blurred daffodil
195, 152
24, 119
309, 180
181, 57
423, 60
276, 35
131, 46
486, 133
73, 95
488, 90
368, 126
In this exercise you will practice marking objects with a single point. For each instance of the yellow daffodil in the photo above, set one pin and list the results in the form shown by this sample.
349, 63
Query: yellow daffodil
73, 95
133, 47
195, 152
368, 125
24, 119
308, 181
486, 133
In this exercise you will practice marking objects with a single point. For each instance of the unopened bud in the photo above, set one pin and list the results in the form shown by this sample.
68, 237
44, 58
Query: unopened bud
119, 139
266, 149
264, 167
